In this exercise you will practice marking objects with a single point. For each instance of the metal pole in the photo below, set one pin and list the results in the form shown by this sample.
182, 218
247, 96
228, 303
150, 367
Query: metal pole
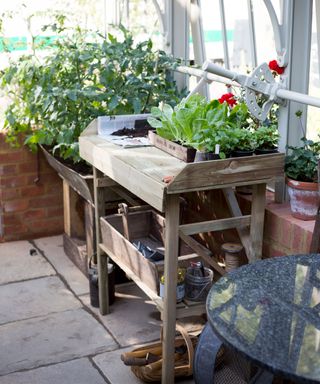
198, 39
318, 30
224, 34
252, 34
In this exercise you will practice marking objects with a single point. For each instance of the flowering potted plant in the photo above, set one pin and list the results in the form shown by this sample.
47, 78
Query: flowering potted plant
301, 169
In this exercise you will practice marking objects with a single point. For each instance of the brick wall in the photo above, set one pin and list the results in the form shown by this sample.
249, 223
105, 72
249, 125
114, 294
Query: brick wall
283, 234
28, 209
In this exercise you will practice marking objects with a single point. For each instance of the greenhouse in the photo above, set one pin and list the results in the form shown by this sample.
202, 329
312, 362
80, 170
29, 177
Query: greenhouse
159, 191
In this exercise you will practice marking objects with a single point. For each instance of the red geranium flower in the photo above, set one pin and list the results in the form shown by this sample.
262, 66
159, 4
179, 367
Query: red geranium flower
273, 65
228, 98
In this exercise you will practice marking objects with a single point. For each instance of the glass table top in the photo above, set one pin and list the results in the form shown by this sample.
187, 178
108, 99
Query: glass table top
270, 311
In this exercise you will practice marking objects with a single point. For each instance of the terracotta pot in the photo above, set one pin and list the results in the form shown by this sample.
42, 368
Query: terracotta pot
304, 199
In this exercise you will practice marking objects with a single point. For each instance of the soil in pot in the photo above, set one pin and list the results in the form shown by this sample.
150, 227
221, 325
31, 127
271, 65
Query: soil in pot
264, 151
203, 156
304, 199
240, 153
141, 129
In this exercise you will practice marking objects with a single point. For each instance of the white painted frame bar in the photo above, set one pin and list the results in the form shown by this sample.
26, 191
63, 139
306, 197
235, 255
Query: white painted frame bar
224, 34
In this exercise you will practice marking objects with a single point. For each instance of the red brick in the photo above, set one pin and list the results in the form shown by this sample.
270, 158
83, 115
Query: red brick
11, 157
15, 230
11, 219
55, 187
55, 212
29, 156
10, 193
50, 225
308, 239
28, 167
13, 181
275, 252
298, 241
45, 201
32, 190
16, 205
286, 233
31, 214
272, 226
9, 169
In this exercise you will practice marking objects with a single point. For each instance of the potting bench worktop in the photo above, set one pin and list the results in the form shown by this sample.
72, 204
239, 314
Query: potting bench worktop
142, 171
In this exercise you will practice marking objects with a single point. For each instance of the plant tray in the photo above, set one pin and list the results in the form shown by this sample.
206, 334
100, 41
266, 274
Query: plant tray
179, 151
147, 227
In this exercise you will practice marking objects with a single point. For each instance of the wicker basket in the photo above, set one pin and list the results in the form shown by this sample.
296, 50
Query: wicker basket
152, 372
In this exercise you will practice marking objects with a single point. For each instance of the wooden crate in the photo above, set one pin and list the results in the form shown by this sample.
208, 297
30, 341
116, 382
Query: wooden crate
179, 151
148, 227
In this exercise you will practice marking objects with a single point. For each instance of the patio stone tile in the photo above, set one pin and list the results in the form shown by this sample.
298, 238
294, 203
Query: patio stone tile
37, 297
54, 338
16, 263
79, 371
134, 319
52, 247
113, 368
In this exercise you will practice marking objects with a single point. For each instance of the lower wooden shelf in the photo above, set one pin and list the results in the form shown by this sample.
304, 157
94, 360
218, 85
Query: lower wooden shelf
184, 309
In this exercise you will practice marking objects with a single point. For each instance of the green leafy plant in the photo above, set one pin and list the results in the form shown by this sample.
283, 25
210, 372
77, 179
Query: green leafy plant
267, 136
84, 75
302, 162
197, 123
243, 139
181, 123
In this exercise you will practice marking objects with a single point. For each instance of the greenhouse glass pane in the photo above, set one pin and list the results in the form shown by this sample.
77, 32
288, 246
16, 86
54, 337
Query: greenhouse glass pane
266, 50
313, 121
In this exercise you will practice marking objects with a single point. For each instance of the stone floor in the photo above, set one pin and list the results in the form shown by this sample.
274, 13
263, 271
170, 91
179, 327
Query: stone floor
50, 334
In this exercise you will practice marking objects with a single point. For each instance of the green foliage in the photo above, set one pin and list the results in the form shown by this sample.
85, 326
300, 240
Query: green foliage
200, 124
267, 136
85, 75
302, 162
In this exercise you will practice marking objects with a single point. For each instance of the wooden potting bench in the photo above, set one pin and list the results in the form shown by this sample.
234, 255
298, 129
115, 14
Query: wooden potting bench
142, 171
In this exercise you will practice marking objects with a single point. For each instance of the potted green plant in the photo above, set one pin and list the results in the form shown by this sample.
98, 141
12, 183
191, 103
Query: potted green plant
211, 128
267, 138
301, 169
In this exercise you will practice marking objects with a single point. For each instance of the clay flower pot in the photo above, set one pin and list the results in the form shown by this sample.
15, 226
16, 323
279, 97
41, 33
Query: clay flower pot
304, 199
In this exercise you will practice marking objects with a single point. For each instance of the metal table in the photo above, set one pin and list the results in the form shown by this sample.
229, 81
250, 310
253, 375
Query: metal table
269, 312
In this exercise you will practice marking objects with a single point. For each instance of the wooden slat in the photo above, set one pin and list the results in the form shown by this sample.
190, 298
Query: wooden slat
215, 225
186, 154
115, 163
105, 181
233, 171
102, 260
90, 228
186, 308
191, 309
72, 212
170, 283
149, 292
125, 195
244, 233
257, 221
315, 240
202, 251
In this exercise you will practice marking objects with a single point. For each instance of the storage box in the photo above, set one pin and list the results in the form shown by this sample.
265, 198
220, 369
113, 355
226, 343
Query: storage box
147, 227
179, 151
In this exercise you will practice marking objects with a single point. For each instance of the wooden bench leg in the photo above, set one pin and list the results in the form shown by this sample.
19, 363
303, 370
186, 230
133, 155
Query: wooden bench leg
170, 282
102, 258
